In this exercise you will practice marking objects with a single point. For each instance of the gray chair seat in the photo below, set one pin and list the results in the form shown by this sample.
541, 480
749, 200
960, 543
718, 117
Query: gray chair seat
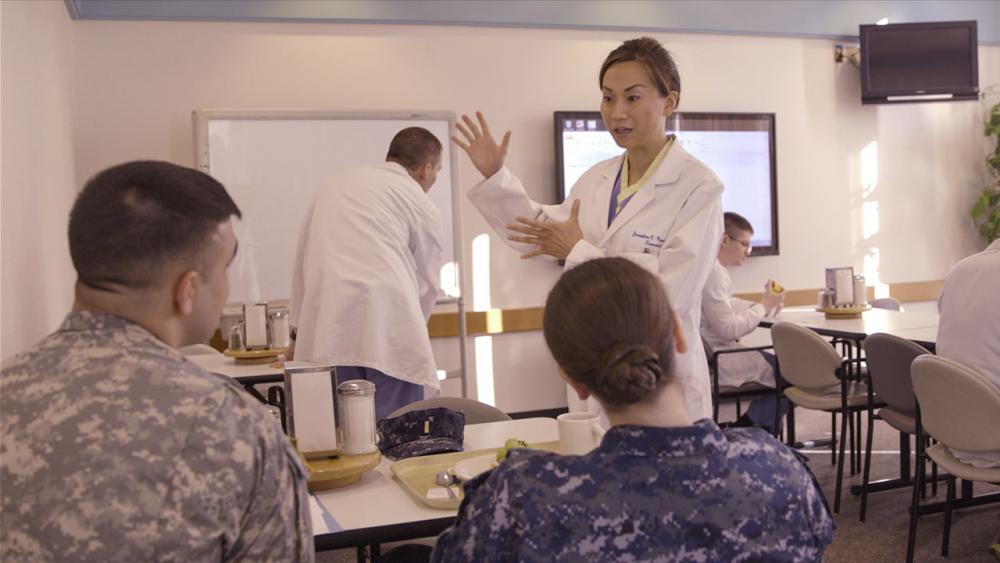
943, 456
828, 399
904, 422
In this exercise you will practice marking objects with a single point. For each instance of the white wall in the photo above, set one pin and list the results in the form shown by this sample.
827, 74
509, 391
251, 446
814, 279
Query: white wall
139, 81
38, 181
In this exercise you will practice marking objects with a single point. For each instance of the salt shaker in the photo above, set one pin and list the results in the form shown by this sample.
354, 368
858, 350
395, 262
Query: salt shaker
357, 416
860, 295
236, 337
279, 329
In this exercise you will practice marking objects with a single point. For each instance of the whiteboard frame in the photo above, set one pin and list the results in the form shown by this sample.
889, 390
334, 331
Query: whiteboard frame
201, 118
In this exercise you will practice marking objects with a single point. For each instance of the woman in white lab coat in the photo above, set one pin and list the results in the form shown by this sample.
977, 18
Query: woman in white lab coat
655, 204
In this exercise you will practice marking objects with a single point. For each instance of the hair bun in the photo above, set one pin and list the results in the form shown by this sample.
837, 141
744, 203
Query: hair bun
629, 372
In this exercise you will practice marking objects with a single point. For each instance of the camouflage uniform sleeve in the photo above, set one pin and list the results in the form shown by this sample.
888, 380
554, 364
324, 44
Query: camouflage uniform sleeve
486, 527
817, 509
239, 474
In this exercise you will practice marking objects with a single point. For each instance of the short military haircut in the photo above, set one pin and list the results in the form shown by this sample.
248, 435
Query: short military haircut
414, 147
132, 219
735, 222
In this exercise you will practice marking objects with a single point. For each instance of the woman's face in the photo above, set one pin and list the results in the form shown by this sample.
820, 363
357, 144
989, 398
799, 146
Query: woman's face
632, 108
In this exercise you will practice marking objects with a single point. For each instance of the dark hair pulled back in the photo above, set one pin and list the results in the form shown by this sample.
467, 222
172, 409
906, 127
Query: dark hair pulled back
609, 325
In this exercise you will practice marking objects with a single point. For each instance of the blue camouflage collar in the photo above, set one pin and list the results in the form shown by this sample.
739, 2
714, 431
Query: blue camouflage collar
702, 438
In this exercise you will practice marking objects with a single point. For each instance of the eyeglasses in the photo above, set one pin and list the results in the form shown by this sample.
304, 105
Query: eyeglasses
745, 243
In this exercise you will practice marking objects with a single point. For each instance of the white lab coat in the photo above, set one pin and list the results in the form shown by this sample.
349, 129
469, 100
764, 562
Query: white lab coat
367, 273
724, 320
969, 326
671, 227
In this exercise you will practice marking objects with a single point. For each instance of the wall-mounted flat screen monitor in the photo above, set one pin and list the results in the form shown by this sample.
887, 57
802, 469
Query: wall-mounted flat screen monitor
739, 147
919, 62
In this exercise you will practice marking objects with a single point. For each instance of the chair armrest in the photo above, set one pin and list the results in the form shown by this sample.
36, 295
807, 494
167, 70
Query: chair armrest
739, 350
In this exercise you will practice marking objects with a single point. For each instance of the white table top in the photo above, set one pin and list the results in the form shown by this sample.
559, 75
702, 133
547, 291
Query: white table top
224, 365
925, 335
875, 320
379, 500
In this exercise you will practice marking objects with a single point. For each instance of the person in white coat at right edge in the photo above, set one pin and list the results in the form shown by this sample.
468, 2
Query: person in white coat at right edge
655, 204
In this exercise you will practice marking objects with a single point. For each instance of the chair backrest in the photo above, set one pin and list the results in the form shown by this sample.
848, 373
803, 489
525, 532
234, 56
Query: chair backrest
197, 350
885, 303
889, 358
475, 412
805, 358
958, 407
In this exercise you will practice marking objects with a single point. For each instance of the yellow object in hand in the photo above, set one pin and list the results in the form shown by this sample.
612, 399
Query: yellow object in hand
776, 287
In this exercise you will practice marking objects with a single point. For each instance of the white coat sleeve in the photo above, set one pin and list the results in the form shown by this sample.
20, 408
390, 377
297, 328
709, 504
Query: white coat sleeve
298, 276
425, 246
727, 318
501, 197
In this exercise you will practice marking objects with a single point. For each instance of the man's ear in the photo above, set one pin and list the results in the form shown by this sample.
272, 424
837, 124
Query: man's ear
426, 170
184, 291
679, 341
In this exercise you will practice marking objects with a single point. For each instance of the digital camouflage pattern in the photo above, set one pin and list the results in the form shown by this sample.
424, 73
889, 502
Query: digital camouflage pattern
646, 494
117, 448
421, 432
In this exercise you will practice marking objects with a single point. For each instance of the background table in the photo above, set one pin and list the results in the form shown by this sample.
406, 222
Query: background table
377, 509
872, 321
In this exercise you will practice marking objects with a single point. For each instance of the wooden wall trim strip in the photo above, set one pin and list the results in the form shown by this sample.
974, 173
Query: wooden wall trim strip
499, 321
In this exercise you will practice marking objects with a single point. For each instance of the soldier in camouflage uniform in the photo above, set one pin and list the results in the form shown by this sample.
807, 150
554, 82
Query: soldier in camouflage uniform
659, 487
117, 448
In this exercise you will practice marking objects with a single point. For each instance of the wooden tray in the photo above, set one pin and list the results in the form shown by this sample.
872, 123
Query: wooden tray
853, 312
251, 357
419, 474
340, 471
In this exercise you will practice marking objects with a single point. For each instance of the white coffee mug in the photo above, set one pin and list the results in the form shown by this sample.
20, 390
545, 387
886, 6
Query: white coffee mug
579, 432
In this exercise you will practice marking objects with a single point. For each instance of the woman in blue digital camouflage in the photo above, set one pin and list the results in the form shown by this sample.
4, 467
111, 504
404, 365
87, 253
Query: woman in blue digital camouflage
659, 486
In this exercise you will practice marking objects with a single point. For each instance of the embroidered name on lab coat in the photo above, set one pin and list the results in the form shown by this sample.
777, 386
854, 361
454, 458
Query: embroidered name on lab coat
651, 243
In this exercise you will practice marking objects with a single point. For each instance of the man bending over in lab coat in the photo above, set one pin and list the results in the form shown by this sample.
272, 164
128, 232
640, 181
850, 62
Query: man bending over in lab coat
366, 273
725, 319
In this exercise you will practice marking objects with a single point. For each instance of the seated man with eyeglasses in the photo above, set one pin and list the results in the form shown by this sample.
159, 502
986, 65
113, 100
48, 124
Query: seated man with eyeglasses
725, 319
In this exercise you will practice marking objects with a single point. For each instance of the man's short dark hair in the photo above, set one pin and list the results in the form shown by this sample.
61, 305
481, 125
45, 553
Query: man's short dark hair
736, 222
414, 147
131, 219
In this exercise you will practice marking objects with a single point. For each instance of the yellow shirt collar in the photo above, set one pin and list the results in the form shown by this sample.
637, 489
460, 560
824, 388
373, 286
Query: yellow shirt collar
629, 190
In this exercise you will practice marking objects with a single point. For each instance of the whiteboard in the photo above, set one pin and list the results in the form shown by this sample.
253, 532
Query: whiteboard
273, 162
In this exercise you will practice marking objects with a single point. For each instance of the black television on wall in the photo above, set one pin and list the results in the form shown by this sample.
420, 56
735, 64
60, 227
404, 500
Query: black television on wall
739, 147
919, 62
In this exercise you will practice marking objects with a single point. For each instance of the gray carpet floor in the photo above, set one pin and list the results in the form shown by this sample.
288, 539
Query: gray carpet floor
883, 536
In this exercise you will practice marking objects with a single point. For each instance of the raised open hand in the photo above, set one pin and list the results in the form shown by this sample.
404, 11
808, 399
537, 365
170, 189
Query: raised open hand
484, 152
555, 238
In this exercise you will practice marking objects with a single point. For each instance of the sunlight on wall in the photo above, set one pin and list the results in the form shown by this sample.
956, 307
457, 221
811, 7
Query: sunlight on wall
449, 280
869, 169
870, 223
869, 219
481, 300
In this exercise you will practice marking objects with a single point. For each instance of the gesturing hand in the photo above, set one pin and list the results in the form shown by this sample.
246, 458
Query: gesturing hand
555, 238
486, 155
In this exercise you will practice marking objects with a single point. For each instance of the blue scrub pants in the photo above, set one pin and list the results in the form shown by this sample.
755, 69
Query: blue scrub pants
761, 410
390, 393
